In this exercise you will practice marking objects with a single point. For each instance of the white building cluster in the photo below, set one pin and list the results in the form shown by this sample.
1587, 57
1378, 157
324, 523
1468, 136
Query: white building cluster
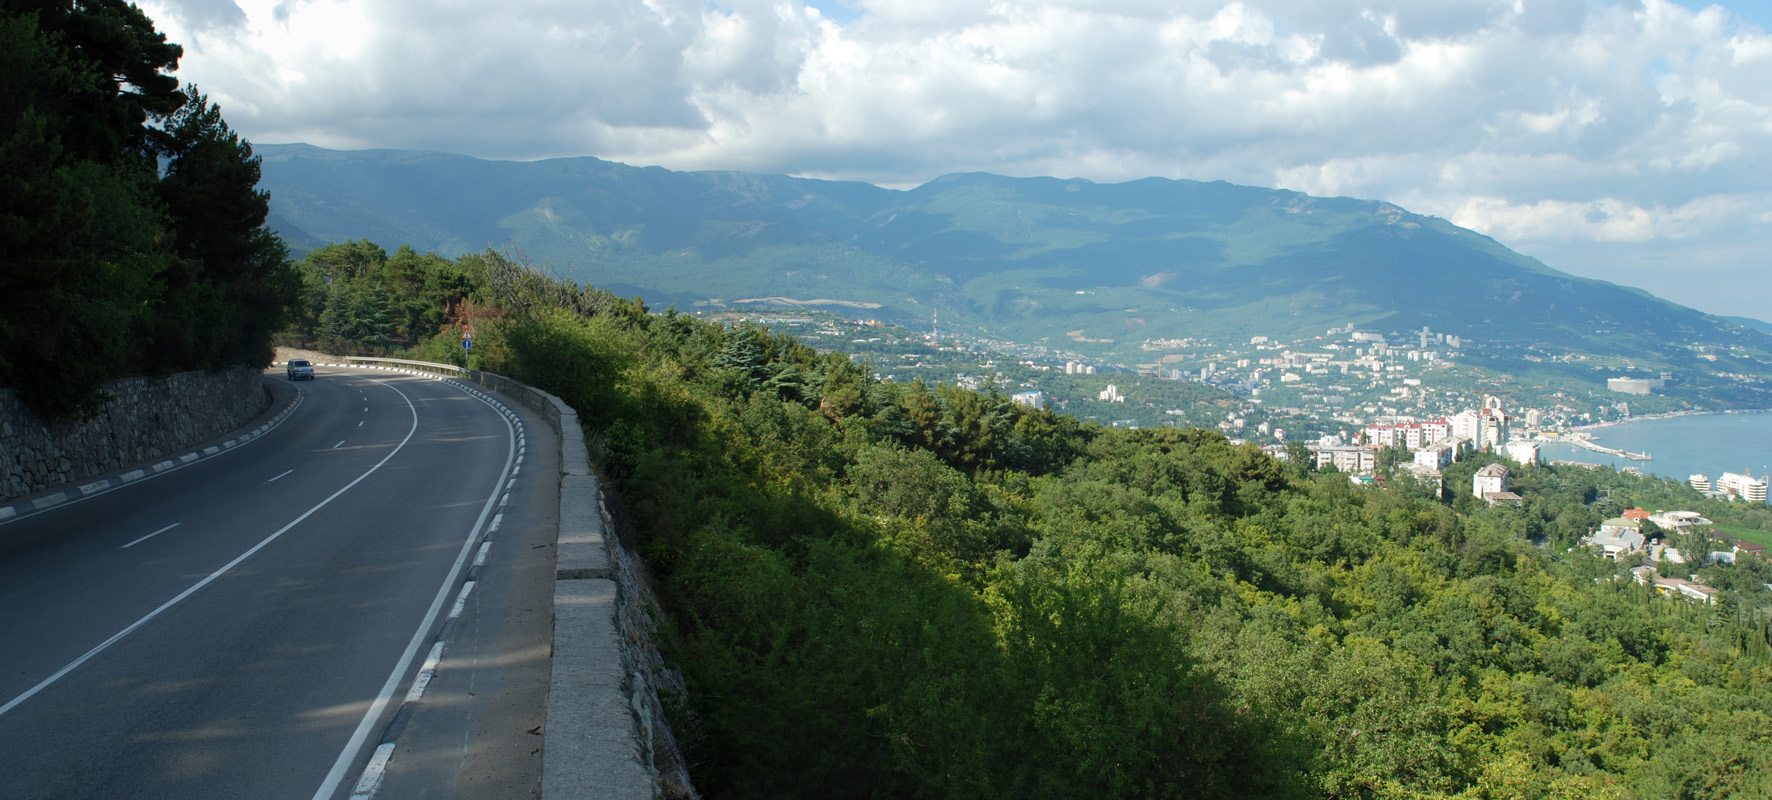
1433, 445
1744, 486
1732, 486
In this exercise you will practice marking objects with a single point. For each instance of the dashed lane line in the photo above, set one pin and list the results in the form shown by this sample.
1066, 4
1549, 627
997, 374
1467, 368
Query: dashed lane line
225, 569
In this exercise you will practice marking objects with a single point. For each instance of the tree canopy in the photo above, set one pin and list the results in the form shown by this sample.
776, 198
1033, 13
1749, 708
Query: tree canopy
907, 590
132, 232
902, 590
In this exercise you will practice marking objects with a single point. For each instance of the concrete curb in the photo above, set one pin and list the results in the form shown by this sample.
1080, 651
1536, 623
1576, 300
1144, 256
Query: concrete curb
267, 420
598, 740
595, 745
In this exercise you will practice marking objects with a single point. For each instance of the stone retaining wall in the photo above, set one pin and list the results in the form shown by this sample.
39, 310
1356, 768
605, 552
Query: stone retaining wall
145, 419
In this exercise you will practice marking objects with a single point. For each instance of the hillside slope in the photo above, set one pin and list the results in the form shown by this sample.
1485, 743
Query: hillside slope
1095, 268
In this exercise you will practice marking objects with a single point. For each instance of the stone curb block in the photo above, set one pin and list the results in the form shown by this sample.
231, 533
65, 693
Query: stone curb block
591, 748
51, 500
597, 736
583, 550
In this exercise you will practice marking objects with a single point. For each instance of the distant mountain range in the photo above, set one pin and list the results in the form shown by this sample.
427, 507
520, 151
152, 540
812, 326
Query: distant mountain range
1096, 269
1749, 322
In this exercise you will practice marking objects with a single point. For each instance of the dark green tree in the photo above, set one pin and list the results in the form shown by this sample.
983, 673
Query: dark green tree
116, 43
107, 267
77, 234
211, 191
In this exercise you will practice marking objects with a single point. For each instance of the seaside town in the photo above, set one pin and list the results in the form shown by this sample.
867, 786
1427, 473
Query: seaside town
1361, 403
1345, 395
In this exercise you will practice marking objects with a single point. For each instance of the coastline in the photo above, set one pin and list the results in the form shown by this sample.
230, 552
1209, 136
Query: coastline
1680, 447
1666, 415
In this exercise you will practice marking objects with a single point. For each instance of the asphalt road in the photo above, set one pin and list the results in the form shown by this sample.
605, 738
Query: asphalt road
249, 624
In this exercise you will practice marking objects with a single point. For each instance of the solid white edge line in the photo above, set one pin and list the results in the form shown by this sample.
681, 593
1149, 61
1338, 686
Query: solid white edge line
349, 754
14, 702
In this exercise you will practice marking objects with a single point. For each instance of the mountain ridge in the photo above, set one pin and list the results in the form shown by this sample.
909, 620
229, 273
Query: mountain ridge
1098, 269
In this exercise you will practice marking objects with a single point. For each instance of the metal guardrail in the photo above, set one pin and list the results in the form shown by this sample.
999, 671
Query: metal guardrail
451, 368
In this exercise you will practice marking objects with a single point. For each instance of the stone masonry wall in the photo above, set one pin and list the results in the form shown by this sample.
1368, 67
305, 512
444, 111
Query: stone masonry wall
146, 418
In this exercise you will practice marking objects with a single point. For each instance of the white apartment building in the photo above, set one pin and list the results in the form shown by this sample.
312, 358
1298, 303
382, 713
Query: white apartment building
1679, 520
1521, 452
1745, 486
1486, 429
1351, 459
1437, 455
1411, 436
1489, 480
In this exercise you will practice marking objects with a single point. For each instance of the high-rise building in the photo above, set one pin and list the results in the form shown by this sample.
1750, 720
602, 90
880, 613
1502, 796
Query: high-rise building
1744, 486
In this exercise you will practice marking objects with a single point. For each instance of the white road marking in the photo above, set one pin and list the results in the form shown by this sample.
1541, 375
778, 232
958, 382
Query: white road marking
152, 535
225, 569
285, 472
341, 443
349, 754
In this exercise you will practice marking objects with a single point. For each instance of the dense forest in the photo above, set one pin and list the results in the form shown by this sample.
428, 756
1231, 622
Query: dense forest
904, 590
132, 237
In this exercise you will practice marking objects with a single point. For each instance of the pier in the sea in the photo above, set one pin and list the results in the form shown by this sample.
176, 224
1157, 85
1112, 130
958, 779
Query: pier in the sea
1585, 443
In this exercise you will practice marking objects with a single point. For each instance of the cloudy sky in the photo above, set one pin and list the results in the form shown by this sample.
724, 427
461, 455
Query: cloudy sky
1618, 139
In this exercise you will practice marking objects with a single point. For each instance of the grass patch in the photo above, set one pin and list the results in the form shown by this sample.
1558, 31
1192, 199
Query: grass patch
1754, 535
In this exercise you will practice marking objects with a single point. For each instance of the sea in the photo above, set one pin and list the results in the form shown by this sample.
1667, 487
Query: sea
1681, 446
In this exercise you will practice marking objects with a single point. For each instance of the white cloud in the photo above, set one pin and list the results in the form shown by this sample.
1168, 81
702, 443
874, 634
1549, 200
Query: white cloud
1546, 123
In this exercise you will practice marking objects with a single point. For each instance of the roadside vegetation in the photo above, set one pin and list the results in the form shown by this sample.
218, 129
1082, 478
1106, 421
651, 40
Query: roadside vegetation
132, 238
907, 590
893, 589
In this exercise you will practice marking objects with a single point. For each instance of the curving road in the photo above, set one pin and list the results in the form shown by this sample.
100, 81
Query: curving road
248, 625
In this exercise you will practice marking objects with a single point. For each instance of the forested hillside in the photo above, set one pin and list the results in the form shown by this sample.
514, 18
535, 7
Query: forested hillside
132, 236
890, 590
1100, 270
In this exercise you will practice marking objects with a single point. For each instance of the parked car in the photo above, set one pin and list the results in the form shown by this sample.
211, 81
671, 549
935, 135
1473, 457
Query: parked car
299, 370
